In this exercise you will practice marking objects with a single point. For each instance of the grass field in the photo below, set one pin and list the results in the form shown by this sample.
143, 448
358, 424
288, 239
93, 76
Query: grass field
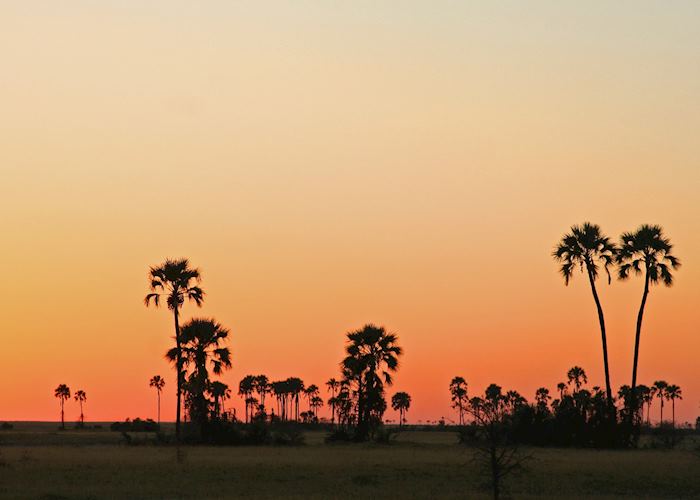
37, 461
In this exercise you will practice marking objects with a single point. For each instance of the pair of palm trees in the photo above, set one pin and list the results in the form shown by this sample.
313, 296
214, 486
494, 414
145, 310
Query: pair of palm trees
646, 251
459, 396
62, 392
198, 343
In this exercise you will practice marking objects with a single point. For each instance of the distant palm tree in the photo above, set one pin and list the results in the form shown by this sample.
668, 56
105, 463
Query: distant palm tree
201, 348
372, 354
220, 392
587, 248
401, 402
542, 398
646, 396
316, 403
311, 392
157, 382
561, 387
460, 398
245, 389
577, 376
62, 392
660, 389
295, 385
81, 397
333, 385
175, 281
646, 251
261, 385
674, 392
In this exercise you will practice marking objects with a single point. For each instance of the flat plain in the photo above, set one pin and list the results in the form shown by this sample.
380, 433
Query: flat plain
39, 462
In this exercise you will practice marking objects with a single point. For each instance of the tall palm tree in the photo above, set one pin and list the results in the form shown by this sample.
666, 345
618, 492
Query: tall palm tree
311, 392
577, 376
372, 355
646, 396
660, 389
316, 403
542, 398
458, 392
587, 248
157, 382
674, 392
261, 385
295, 385
81, 397
175, 281
333, 385
401, 402
561, 387
201, 349
646, 251
245, 389
62, 392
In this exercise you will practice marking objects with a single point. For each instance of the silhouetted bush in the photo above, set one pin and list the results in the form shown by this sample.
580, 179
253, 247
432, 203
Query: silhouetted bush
136, 425
340, 435
6, 426
384, 435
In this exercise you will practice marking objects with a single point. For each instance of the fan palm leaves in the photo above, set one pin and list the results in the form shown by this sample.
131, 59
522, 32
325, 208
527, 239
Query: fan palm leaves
577, 376
176, 282
401, 402
585, 247
646, 251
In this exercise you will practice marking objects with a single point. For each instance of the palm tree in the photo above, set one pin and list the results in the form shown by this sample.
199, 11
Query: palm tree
175, 281
561, 387
646, 395
401, 402
157, 382
660, 389
460, 399
587, 248
62, 392
646, 251
577, 376
311, 392
261, 385
333, 385
295, 387
370, 352
542, 398
220, 392
201, 348
81, 397
245, 389
316, 403
674, 392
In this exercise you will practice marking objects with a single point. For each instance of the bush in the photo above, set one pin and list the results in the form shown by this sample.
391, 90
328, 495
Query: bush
6, 426
340, 435
136, 425
384, 435
288, 435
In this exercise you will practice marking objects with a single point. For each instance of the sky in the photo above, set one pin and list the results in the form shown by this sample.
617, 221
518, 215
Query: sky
330, 164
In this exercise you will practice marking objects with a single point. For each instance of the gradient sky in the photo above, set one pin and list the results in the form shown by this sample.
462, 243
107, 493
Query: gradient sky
328, 164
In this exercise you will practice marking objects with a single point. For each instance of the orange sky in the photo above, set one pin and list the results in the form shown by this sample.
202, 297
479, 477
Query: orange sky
327, 167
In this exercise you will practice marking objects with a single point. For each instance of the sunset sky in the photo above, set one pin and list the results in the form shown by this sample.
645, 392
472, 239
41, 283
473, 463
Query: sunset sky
329, 164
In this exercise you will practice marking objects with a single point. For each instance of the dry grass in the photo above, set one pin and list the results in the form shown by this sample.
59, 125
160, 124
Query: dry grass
94, 464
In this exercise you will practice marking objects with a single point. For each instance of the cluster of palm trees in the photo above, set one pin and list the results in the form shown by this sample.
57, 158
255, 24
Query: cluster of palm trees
287, 394
62, 392
199, 344
645, 252
661, 390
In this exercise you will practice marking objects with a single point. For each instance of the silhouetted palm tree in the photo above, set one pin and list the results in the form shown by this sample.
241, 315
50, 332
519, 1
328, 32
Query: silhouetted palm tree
333, 386
81, 397
62, 392
201, 348
587, 248
261, 385
646, 397
316, 403
175, 281
542, 398
460, 398
371, 356
577, 376
674, 392
660, 388
220, 392
646, 251
401, 402
157, 382
311, 392
245, 389
561, 387
295, 386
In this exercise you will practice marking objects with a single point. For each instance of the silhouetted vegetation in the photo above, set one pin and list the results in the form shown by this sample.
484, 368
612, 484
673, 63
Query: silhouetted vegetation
135, 425
62, 392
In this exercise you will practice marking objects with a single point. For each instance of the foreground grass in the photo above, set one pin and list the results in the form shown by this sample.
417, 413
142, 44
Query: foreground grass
420, 465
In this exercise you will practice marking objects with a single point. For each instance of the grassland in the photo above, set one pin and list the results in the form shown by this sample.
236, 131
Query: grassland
39, 462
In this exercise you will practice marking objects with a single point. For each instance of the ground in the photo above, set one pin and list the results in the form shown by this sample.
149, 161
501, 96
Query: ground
39, 462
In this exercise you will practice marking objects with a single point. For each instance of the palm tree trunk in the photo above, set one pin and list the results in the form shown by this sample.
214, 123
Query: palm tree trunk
673, 411
178, 367
662, 412
158, 392
601, 320
640, 316
63, 423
